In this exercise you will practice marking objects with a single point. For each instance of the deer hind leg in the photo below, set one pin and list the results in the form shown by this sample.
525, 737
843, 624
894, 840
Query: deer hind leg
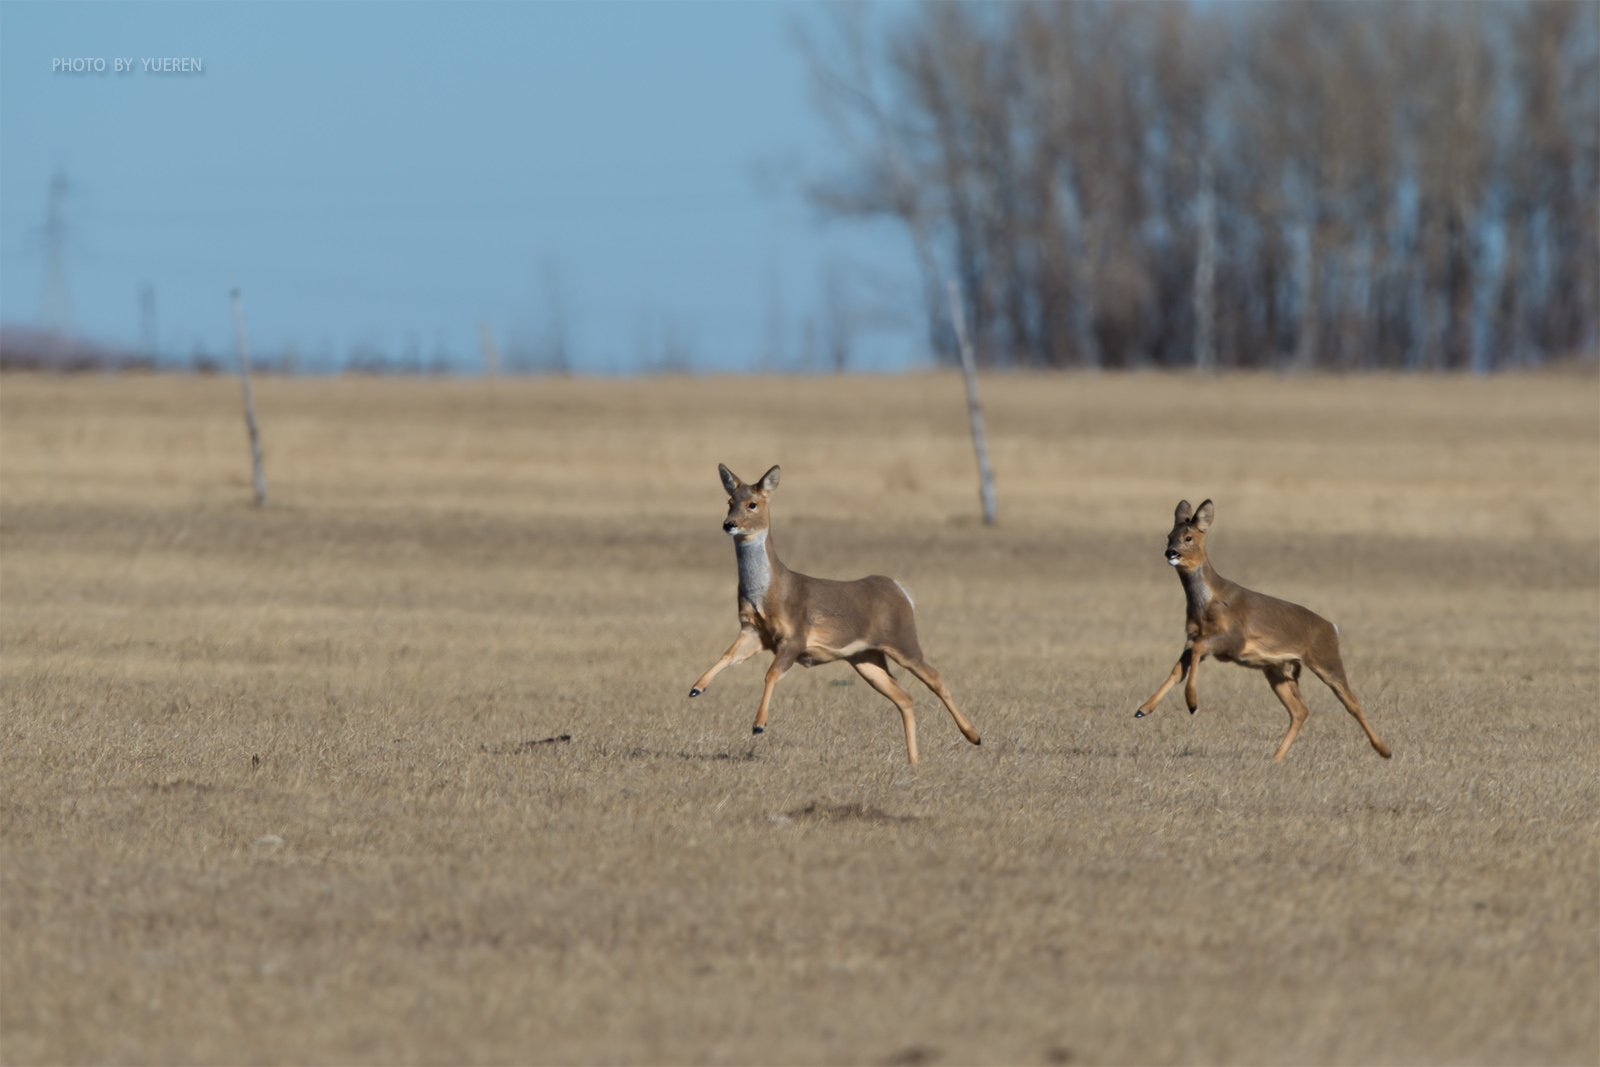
875, 669
780, 666
1178, 672
1333, 674
930, 678
747, 644
1282, 677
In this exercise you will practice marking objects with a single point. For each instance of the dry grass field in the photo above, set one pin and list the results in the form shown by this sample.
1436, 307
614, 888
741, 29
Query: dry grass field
267, 792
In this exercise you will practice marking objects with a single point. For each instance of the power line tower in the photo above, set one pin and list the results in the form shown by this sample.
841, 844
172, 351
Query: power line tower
55, 311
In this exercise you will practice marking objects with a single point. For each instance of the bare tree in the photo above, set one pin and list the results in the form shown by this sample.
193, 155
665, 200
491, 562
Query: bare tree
838, 317
1298, 184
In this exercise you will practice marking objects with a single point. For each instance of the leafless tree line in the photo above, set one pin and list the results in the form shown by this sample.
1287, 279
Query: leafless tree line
1341, 186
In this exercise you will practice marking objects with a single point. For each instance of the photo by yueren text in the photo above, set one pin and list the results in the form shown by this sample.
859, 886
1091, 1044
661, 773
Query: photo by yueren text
162, 65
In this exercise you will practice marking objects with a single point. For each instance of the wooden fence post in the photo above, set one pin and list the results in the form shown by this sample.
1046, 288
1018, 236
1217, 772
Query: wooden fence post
969, 368
249, 401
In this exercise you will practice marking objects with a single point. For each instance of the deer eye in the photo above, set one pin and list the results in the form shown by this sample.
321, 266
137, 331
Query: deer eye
751, 505
1188, 539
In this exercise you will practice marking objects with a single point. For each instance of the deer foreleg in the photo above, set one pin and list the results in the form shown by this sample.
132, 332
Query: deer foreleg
1178, 671
747, 644
1190, 697
1199, 650
780, 666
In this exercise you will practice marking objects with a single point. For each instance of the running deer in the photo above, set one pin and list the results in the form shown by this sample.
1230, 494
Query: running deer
1238, 625
810, 621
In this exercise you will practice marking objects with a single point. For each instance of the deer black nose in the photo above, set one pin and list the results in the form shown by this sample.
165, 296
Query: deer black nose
728, 526
1172, 553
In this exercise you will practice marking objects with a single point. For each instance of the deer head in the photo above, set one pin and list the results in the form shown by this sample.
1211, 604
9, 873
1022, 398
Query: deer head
1186, 544
747, 504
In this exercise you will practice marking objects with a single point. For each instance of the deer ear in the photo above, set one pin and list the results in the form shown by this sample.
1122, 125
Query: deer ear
730, 480
1181, 516
1203, 516
769, 480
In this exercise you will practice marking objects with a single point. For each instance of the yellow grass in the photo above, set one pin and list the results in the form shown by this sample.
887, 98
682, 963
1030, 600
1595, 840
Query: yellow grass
265, 794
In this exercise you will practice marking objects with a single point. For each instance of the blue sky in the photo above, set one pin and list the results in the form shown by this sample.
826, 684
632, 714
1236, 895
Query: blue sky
392, 176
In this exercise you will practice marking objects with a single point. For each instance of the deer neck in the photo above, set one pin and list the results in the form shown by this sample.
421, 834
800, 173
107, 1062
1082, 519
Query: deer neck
757, 562
1201, 585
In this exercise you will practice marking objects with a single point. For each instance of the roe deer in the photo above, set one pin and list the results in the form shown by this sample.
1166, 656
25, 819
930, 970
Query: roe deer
814, 620
1237, 625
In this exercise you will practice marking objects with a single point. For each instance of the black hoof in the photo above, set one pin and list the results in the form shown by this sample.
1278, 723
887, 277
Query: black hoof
1138, 715
977, 740
757, 729
696, 691
1193, 710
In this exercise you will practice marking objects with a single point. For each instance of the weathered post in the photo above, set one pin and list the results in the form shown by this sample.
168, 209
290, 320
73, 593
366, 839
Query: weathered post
1205, 274
969, 368
249, 401
491, 351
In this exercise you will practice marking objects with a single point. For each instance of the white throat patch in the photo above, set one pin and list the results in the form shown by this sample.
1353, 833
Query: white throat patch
755, 570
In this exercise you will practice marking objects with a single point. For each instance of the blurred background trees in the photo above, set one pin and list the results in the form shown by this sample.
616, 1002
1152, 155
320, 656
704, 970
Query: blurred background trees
1292, 185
